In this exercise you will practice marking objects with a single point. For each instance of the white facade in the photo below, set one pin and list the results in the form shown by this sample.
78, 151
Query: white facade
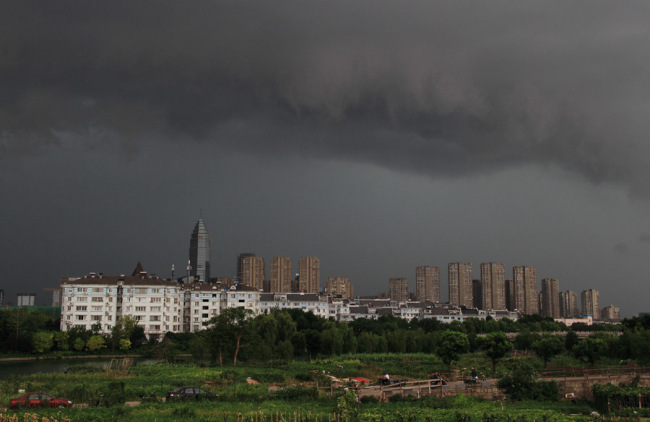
162, 306
101, 301
202, 303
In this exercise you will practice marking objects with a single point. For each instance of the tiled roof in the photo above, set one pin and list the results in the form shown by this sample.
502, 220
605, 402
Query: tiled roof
358, 309
138, 280
302, 297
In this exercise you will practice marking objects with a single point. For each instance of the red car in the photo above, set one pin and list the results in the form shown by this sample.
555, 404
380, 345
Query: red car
39, 400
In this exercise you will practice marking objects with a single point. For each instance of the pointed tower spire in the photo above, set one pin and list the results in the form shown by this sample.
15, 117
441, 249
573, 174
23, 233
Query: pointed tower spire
200, 253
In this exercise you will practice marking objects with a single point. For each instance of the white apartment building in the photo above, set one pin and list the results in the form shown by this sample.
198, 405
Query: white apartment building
241, 296
98, 300
202, 303
162, 306
308, 302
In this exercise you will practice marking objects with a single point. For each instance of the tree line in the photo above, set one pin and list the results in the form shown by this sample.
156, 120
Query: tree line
235, 335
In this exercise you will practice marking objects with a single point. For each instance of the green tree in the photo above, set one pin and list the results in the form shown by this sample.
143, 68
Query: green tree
496, 346
547, 347
78, 344
347, 406
231, 331
570, 340
43, 341
589, 350
521, 384
123, 330
125, 344
198, 345
451, 345
526, 338
61, 340
95, 343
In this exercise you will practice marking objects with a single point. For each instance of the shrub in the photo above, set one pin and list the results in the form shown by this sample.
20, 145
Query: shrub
399, 398
184, 411
297, 393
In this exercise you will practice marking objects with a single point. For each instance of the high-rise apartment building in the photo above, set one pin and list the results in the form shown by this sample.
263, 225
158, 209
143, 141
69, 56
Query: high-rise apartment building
200, 253
524, 278
460, 284
610, 313
252, 271
399, 289
477, 294
309, 274
510, 294
340, 287
551, 297
281, 274
493, 286
590, 303
240, 268
427, 284
569, 304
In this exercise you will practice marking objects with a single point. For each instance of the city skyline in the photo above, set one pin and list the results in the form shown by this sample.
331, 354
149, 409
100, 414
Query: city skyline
377, 137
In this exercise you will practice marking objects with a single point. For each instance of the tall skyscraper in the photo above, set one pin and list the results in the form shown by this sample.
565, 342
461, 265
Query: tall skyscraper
252, 271
398, 289
550, 298
340, 287
309, 274
590, 303
460, 284
200, 253
493, 286
525, 283
569, 304
281, 274
427, 284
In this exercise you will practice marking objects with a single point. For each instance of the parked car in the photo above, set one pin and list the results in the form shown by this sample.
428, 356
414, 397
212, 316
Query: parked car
190, 393
39, 400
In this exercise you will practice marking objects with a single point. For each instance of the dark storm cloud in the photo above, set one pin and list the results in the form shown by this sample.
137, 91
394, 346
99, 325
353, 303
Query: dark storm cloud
438, 88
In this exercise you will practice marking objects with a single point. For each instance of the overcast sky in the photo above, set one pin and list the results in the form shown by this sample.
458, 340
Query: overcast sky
375, 135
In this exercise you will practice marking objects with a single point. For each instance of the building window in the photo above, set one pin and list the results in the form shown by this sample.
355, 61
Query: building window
156, 299
141, 309
98, 299
96, 318
80, 317
96, 308
155, 309
154, 318
82, 299
82, 308
82, 289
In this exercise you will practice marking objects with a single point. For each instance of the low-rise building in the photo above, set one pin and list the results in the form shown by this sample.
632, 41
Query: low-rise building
100, 301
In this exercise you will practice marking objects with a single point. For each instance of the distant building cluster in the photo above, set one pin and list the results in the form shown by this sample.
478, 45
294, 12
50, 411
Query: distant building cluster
187, 303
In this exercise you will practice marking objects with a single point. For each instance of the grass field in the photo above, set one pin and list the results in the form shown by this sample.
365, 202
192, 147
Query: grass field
286, 392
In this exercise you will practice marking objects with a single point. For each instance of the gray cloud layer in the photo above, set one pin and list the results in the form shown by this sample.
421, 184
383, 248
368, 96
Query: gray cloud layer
441, 88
